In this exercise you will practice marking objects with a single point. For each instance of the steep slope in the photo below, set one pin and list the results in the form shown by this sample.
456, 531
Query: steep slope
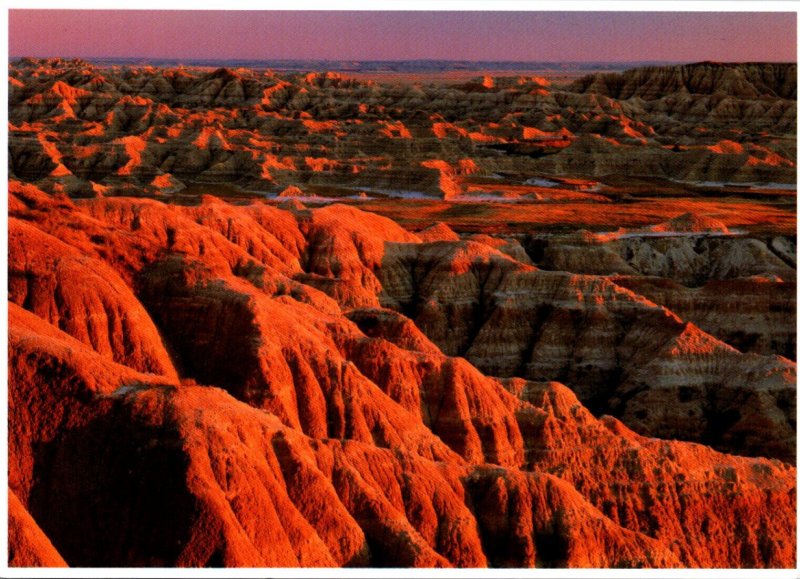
235, 485
52, 381
84, 297
612, 346
761, 319
305, 429
693, 273
609, 344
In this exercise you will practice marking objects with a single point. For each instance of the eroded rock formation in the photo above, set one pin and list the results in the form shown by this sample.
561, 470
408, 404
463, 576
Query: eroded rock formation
92, 131
290, 396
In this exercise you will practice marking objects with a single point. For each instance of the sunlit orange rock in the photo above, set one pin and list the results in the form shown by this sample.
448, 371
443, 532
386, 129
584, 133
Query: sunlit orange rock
657, 121
28, 546
207, 383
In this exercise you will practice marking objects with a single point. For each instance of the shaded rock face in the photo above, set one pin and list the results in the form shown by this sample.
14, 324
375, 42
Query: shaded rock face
622, 353
761, 319
70, 480
705, 78
91, 131
695, 274
313, 413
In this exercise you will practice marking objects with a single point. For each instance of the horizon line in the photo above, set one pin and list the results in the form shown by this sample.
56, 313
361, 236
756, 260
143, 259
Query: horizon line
396, 60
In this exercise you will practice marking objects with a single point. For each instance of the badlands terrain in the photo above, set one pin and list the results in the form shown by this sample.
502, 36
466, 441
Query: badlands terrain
283, 319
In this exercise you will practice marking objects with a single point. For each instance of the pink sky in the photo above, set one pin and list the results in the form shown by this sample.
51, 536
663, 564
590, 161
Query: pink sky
543, 36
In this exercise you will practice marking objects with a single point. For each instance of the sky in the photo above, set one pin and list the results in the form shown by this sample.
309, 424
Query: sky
351, 35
